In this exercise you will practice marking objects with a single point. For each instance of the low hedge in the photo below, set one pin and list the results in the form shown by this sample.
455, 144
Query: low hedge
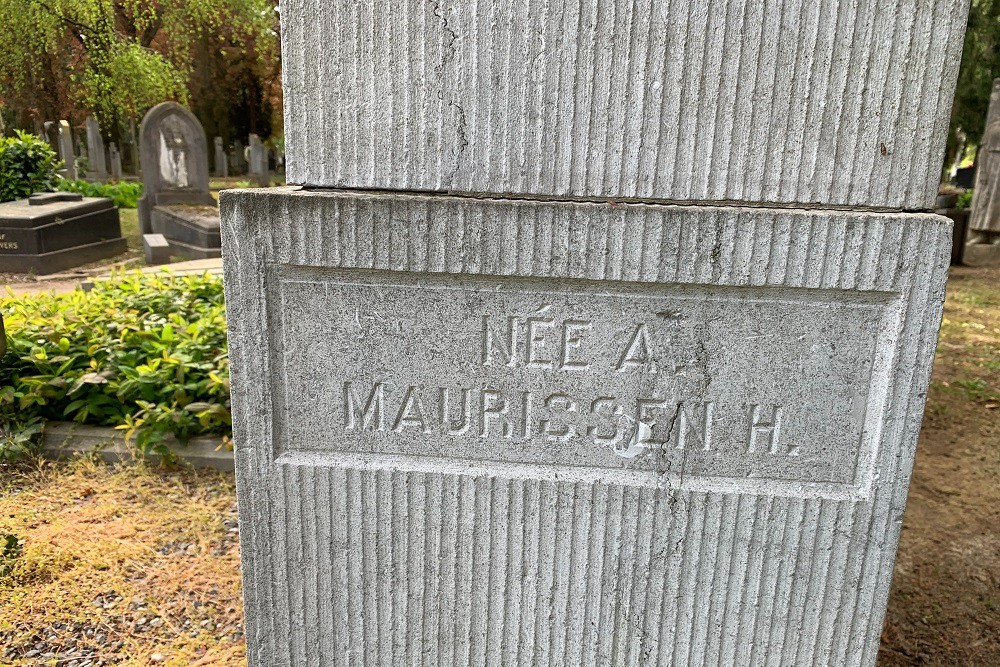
144, 353
124, 193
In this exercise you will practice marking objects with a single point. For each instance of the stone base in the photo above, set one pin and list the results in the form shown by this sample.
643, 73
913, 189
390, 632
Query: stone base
694, 539
981, 254
61, 260
192, 230
188, 251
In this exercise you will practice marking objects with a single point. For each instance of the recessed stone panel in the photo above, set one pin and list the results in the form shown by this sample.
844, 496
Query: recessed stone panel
772, 390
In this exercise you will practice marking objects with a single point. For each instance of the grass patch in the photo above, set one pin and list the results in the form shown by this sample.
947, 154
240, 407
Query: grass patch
117, 565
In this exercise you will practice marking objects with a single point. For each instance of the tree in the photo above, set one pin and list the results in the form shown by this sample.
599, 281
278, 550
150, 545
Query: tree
980, 65
115, 58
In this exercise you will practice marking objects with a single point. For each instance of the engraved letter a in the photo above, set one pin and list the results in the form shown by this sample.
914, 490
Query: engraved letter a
373, 408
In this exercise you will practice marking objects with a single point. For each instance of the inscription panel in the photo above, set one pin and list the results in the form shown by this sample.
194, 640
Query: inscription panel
769, 388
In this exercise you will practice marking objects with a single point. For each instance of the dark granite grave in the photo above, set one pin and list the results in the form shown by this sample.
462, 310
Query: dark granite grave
55, 231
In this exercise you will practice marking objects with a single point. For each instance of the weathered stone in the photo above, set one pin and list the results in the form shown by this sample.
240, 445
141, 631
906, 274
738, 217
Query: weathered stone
97, 169
157, 249
221, 162
115, 157
984, 218
175, 178
257, 162
56, 231
65, 138
556, 433
844, 103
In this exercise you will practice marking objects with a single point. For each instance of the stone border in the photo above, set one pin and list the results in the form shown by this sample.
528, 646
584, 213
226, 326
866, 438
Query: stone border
66, 439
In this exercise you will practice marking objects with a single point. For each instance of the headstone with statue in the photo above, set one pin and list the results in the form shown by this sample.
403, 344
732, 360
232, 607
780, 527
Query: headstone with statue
176, 200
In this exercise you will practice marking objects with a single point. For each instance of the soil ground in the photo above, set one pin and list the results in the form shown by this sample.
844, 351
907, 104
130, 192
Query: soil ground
137, 566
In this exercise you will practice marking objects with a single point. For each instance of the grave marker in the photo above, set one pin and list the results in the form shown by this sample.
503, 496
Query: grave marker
542, 414
96, 166
176, 201
65, 139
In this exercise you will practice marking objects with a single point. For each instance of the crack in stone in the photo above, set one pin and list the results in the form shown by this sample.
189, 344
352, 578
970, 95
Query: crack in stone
449, 55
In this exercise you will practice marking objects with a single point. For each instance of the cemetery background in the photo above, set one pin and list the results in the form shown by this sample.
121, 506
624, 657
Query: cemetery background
944, 601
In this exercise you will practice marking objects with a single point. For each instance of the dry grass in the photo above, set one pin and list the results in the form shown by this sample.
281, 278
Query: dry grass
119, 565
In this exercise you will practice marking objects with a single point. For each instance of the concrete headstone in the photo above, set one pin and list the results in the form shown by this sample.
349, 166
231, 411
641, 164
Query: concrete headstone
984, 217
221, 161
66, 154
176, 200
115, 158
97, 169
570, 422
258, 168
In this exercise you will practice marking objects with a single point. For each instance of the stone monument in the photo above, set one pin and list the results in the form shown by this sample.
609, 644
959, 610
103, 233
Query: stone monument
115, 158
55, 231
65, 139
516, 382
983, 247
258, 169
221, 162
97, 169
176, 201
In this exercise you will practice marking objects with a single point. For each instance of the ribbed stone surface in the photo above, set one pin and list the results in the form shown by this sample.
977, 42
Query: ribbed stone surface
833, 102
403, 546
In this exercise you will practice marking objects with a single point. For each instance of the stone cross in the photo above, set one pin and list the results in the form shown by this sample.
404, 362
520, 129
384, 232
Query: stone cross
65, 139
221, 162
517, 382
96, 167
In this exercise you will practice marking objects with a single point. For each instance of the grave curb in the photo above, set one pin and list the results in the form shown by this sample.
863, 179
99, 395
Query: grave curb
63, 440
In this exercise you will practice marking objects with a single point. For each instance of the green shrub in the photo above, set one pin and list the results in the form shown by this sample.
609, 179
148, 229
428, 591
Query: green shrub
964, 200
124, 193
144, 353
27, 164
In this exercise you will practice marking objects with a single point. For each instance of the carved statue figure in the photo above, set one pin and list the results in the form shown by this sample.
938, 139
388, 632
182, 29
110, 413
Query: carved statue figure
173, 153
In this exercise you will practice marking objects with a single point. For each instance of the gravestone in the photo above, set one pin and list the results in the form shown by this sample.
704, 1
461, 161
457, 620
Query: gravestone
65, 139
96, 167
115, 158
516, 382
176, 201
237, 162
50, 133
983, 248
221, 162
258, 161
55, 231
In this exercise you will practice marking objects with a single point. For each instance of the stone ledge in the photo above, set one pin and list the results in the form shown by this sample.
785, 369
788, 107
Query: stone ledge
66, 439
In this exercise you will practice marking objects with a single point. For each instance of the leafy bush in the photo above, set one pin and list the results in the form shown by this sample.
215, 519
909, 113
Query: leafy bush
124, 193
27, 164
964, 200
144, 353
